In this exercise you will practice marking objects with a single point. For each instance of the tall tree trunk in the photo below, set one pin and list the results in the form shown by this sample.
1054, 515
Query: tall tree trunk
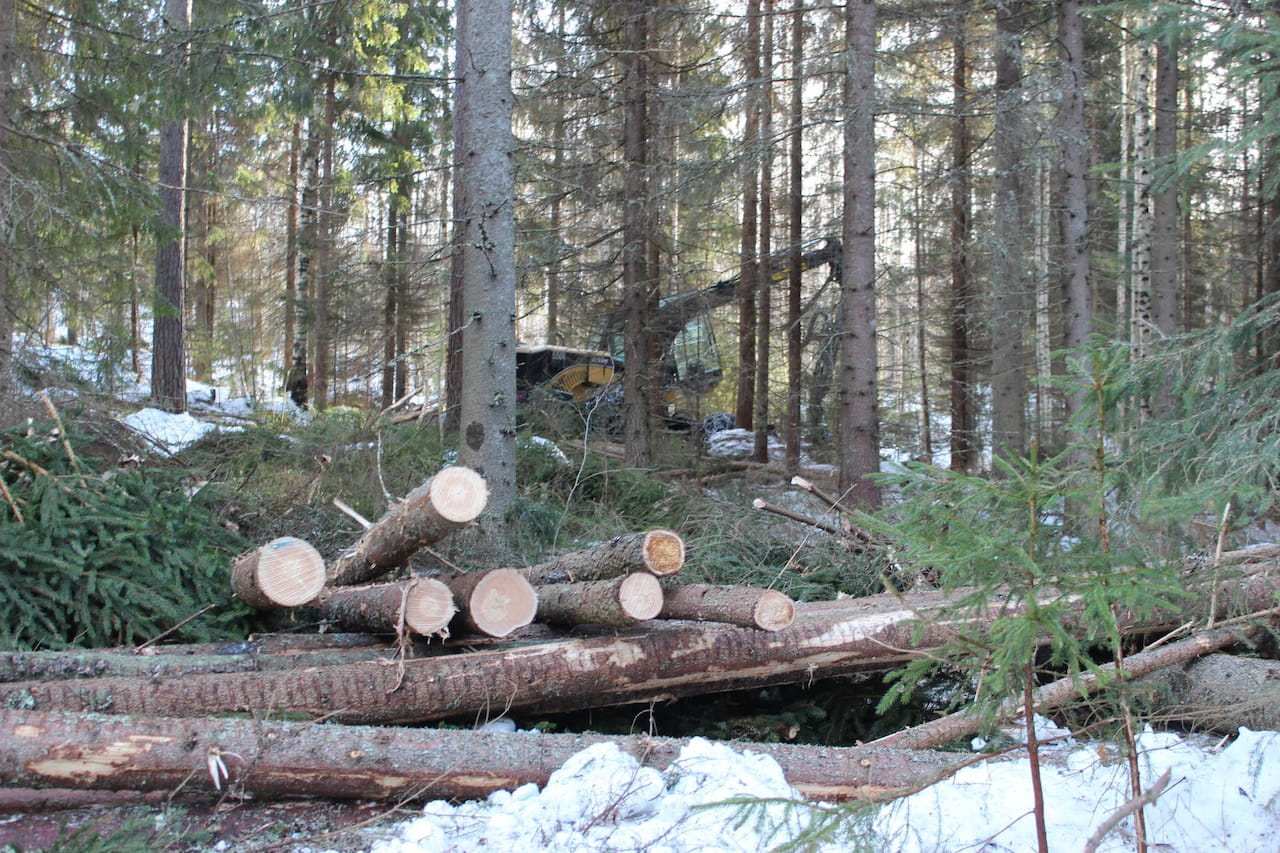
1141, 230
795, 206
1165, 292
921, 318
1010, 295
291, 260
859, 420
298, 383
169, 352
8, 38
456, 320
764, 278
964, 413
751, 265
1077, 285
488, 404
390, 300
327, 249
637, 378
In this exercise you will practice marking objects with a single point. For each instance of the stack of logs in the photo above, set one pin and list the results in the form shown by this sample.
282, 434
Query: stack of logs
626, 580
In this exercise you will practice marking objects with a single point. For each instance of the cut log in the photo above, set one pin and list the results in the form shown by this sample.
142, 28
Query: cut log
423, 605
495, 602
659, 552
25, 666
1219, 693
656, 662
619, 601
944, 730
448, 501
285, 572
98, 751
746, 607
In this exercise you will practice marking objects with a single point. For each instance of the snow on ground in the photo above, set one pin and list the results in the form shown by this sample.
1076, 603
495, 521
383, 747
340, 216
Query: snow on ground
1221, 797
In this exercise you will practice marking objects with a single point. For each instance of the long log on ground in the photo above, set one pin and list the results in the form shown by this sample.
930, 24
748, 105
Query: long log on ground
494, 602
660, 552
655, 662
618, 601
31, 666
106, 752
1219, 693
446, 502
423, 605
943, 730
286, 572
746, 607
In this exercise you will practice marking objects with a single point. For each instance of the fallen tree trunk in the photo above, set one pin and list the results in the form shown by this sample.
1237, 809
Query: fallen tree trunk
660, 552
449, 500
746, 607
495, 602
943, 730
618, 601
32, 666
1219, 693
98, 751
657, 661
286, 572
423, 605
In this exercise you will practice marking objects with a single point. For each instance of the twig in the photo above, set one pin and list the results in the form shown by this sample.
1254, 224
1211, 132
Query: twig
8, 496
834, 503
1140, 801
158, 637
62, 431
760, 503
1217, 563
349, 510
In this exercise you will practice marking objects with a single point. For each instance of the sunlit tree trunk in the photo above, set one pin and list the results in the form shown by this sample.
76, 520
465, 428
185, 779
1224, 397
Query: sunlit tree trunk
764, 278
749, 274
169, 351
326, 250
298, 383
859, 414
1077, 285
488, 404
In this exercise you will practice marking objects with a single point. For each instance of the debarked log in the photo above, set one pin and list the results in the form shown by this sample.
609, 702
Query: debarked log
447, 502
423, 605
659, 552
747, 607
618, 601
264, 757
653, 662
286, 572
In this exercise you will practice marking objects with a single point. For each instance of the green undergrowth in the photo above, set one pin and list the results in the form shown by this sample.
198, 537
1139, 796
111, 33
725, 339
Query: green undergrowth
94, 556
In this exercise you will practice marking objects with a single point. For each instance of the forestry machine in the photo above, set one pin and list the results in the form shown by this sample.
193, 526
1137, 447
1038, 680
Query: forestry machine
681, 331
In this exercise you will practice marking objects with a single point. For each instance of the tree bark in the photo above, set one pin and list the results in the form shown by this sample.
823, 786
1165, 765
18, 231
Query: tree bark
169, 351
1077, 262
660, 660
485, 156
964, 410
423, 605
286, 572
636, 377
443, 504
943, 730
266, 757
617, 601
795, 208
1218, 693
495, 602
659, 552
126, 663
859, 417
750, 270
746, 607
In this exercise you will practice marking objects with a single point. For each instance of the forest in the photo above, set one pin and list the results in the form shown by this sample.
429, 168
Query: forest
1005, 181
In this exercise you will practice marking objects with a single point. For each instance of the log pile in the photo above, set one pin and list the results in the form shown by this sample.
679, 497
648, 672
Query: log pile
609, 625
